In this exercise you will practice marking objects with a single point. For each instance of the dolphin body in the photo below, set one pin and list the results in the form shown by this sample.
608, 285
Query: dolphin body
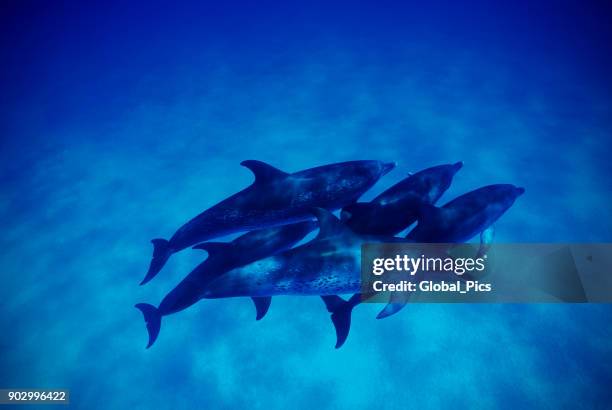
327, 265
222, 257
274, 198
397, 207
459, 221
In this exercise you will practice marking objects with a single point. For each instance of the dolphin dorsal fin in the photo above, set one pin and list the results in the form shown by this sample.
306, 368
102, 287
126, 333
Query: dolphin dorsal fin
329, 224
263, 172
213, 248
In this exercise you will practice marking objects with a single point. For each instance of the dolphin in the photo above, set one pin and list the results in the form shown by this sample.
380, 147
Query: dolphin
459, 221
274, 198
465, 216
327, 265
397, 207
223, 256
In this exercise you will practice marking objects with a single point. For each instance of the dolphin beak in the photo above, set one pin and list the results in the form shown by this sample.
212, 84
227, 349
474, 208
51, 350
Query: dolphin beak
388, 166
520, 191
457, 166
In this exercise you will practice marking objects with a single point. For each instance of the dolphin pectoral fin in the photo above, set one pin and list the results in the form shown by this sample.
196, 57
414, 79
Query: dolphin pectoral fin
329, 225
390, 310
486, 239
341, 314
397, 302
213, 248
263, 172
161, 253
262, 304
152, 319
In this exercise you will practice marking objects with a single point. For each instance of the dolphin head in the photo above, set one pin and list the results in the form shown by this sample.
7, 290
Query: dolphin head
372, 171
501, 194
431, 183
447, 173
386, 167
457, 166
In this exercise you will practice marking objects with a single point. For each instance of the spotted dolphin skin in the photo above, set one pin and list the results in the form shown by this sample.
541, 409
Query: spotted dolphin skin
397, 208
327, 265
223, 256
274, 198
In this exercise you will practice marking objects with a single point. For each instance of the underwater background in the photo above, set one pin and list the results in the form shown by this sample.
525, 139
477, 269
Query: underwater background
120, 121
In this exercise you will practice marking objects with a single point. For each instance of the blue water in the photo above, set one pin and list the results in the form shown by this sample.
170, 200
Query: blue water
120, 122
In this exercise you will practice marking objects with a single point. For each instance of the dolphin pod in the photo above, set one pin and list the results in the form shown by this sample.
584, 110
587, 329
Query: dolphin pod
274, 198
278, 209
394, 210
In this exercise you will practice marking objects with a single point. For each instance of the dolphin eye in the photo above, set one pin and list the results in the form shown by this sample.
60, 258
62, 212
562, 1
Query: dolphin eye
345, 215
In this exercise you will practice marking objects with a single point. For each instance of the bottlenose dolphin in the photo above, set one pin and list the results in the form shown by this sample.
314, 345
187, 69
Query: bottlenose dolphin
397, 207
458, 221
274, 198
223, 256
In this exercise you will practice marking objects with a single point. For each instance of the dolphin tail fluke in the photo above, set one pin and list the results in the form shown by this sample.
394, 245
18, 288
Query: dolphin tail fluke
152, 318
262, 304
161, 253
341, 315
